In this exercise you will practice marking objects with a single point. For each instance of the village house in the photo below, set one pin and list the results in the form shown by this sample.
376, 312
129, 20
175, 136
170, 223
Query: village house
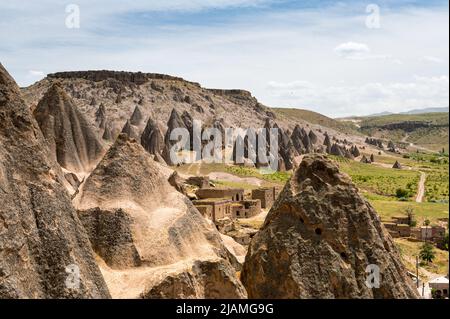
434, 234
252, 207
265, 195
440, 286
217, 204
235, 194
219, 208
398, 230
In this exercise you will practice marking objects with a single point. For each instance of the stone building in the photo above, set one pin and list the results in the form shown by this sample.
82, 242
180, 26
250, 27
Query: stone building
235, 194
398, 230
440, 285
252, 207
429, 233
220, 207
265, 195
237, 210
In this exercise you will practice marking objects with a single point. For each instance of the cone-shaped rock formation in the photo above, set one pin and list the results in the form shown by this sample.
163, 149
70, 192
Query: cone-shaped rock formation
70, 137
318, 240
41, 237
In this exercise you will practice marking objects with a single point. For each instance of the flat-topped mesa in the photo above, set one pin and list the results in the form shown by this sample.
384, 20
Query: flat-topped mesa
232, 92
123, 76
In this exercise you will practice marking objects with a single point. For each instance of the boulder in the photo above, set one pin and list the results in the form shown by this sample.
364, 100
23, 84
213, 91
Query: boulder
205, 279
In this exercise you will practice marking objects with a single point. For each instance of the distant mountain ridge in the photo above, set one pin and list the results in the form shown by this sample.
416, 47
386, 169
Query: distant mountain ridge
414, 111
427, 110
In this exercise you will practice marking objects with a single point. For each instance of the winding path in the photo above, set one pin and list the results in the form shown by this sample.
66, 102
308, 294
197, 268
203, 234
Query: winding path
421, 189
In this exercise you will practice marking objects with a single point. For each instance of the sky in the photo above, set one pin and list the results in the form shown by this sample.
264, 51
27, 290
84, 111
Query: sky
337, 58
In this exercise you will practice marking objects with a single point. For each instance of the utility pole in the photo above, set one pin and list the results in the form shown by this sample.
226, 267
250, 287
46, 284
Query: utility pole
417, 271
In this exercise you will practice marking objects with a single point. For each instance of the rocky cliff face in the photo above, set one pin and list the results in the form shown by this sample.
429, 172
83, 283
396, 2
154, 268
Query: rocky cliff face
69, 135
146, 232
40, 233
318, 239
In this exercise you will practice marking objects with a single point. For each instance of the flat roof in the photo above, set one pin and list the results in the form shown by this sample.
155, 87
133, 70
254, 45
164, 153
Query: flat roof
211, 200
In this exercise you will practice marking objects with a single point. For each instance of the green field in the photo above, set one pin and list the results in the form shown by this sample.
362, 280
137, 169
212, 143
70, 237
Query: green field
379, 184
378, 180
432, 118
422, 211
409, 250
434, 137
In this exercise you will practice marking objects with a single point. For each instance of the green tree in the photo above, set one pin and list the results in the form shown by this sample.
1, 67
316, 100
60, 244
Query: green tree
426, 222
401, 193
411, 216
445, 242
427, 252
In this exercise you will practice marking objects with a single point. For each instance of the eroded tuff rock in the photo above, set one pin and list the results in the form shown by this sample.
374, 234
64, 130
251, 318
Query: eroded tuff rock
355, 151
71, 139
137, 117
337, 150
143, 229
318, 239
40, 233
365, 160
205, 279
130, 130
175, 121
100, 116
152, 138
397, 165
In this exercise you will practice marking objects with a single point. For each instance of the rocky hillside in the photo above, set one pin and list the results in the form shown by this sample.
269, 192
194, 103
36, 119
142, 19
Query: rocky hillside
148, 106
426, 130
110, 98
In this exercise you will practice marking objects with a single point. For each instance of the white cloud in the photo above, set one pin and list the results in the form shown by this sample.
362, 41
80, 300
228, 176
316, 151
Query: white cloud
367, 69
340, 100
36, 73
352, 50
360, 51
432, 59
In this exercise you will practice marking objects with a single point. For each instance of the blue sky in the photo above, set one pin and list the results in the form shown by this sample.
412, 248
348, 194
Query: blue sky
318, 55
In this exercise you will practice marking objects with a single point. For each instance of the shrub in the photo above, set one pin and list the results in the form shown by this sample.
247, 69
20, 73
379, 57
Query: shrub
427, 253
401, 193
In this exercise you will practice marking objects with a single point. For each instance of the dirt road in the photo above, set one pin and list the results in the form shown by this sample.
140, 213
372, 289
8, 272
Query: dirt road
421, 189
